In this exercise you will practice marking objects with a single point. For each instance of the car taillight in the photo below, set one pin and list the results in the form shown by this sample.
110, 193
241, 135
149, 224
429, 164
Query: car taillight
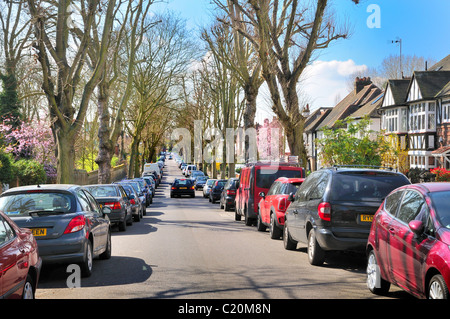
192, 187
324, 210
132, 201
174, 187
113, 205
282, 205
76, 224
231, 192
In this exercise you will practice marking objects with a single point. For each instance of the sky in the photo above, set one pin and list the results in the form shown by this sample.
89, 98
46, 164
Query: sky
422, 26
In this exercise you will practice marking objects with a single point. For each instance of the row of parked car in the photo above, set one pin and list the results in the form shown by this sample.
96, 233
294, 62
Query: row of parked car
68, 224
403, 228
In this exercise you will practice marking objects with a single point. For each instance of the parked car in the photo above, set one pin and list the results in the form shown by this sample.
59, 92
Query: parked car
228, 194
189, 169
20, 263
334, 207
66, 221
216, 190
182, 186
146, 189
207, 187
273, 205
151, 183
199, 182
409, 242
256, 178
114, 197
153, 167
142, 197
195, 174
134, 199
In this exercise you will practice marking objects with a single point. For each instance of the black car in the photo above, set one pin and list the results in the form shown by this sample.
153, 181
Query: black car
134, 199
66, 220
216, 190
228, 194
333, 209
146, 189
182, 186
140, 191
199, 182
114, 197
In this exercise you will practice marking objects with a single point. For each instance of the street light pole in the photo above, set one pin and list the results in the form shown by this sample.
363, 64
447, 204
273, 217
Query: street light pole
399, 41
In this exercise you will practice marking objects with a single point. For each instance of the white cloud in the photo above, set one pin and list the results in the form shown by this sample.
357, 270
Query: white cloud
321, 82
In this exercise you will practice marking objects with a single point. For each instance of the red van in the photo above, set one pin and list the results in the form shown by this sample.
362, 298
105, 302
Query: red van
256, 178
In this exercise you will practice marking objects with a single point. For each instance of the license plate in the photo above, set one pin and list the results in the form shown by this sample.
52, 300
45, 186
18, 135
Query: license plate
366, 218
39, 231
183, 187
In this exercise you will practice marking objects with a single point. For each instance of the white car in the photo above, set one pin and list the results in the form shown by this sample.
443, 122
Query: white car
207, 187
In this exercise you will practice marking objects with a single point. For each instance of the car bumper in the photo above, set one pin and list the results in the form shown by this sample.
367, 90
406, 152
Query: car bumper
183, 192
328, 241
69, 248
117, 216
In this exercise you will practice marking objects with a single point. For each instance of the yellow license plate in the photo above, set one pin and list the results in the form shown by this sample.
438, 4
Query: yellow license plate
366, 218
183, 187
39, 231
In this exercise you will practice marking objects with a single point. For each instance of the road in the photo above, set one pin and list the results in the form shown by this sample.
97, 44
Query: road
189, 248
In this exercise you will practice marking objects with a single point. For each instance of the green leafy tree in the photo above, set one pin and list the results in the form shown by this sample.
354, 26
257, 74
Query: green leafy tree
352, 143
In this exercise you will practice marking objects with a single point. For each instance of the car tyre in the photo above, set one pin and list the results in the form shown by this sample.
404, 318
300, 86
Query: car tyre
237, 217
28, 290
288, 242
86, 265
107, 253
437, 289
316, 255
375, 283
275, 232
259, 224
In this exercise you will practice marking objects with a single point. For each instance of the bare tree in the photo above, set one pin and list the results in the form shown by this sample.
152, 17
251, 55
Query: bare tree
62, 58
286, 35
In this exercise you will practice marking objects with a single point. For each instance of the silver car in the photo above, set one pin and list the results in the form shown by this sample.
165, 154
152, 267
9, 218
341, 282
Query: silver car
207, 188
66, 221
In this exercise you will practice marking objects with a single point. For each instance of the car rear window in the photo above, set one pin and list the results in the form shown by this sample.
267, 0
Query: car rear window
266, 176
103, 191
24, 203
440, 203
365, 186
183, 182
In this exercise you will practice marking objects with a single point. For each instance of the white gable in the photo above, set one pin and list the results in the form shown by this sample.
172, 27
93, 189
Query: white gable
414, 93
388, 98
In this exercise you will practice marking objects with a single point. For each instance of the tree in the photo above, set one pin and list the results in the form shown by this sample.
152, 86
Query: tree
62, 47
15, 36
352, 143
286, 36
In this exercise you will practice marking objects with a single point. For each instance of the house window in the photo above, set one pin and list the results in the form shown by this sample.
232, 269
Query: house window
446, 113
422, 117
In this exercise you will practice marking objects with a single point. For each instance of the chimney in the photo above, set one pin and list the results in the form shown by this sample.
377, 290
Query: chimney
360, 83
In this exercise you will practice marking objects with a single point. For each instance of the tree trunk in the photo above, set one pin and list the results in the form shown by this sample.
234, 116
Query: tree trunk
65, 142
249, 116
106, 146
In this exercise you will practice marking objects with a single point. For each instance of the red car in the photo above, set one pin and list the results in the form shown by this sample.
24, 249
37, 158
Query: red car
256, 178
20, 264
273, 205
409, 242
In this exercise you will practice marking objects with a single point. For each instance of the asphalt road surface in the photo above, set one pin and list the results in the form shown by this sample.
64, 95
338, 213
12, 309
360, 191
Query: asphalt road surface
189, 248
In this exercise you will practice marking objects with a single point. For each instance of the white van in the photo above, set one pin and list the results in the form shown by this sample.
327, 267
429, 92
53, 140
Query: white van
150, 167
189, 170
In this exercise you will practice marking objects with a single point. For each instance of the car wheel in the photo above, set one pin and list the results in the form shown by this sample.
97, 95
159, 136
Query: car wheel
288, 242
275, 232
316, 255
259, 224
28, 291
237, 217
86, 265
375, 283
221, 205
107, 253
123, 225
437, 289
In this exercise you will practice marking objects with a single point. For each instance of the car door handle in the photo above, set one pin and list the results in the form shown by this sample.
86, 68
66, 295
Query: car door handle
392, 230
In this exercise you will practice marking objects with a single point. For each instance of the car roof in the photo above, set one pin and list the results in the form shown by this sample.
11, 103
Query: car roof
431, 187
290, 179
44, 187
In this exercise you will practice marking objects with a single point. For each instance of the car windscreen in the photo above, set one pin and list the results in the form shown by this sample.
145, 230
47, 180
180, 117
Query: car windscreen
440, 204
103, 191
365, 186
266, 176
21, 204
182, 182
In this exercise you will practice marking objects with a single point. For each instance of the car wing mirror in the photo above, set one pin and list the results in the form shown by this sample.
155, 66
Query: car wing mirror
106, 210
416, 227
262, 194
291, 197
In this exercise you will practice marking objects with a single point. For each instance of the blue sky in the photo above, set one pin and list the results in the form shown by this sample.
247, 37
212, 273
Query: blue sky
423, 26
